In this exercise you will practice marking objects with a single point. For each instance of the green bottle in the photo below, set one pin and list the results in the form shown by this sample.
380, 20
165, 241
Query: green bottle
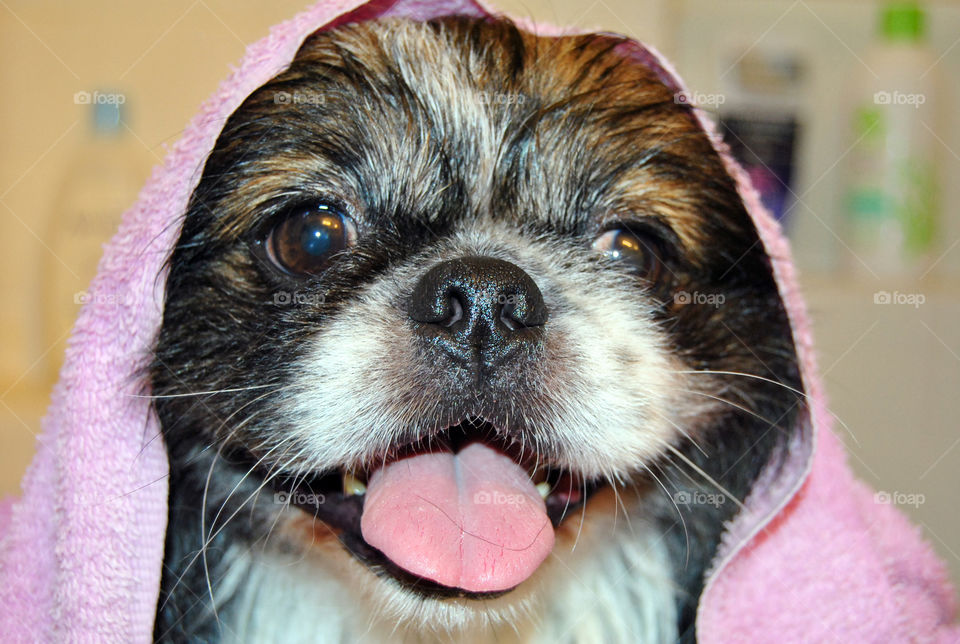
891, 198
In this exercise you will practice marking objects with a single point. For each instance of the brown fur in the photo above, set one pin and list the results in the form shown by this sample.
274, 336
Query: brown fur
579, 107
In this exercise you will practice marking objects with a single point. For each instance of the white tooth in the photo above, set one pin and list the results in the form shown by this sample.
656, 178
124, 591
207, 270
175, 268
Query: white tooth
543, 489
352, 485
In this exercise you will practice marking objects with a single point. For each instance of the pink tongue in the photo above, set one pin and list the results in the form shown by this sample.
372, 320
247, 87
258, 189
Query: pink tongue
471, 520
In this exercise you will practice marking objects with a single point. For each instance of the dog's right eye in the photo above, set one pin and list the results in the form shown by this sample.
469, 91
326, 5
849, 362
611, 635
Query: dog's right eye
638, 251
304, 242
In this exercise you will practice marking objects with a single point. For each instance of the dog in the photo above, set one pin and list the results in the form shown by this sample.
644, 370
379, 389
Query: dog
468, 336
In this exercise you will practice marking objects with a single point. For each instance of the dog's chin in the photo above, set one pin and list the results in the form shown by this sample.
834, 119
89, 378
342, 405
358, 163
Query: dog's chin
500, 502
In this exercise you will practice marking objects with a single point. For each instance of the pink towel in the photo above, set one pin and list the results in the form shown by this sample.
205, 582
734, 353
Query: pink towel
812, 558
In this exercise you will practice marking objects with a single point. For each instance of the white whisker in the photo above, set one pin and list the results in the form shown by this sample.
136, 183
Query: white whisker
744, 375
731, 403
200, 393
696, 468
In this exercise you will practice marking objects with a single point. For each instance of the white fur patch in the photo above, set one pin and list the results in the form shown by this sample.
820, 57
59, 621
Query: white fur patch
615, 587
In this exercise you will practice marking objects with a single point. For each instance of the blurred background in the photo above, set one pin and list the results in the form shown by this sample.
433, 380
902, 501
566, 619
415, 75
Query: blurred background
844, 114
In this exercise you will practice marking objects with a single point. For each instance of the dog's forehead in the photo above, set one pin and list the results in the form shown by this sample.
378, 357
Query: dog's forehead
550, 127
450, 120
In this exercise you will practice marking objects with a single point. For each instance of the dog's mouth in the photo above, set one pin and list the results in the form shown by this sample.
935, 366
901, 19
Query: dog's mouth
464, 513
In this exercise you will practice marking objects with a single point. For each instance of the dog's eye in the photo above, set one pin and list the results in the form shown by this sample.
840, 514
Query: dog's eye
304, 241
639, 251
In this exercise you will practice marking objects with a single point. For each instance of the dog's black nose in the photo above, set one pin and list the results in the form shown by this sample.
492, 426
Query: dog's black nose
478, 309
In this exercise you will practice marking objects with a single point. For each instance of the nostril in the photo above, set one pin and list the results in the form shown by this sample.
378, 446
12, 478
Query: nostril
456, 312
509, 317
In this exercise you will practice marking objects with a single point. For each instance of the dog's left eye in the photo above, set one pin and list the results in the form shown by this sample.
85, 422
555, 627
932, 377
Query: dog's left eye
304, 242
639, 251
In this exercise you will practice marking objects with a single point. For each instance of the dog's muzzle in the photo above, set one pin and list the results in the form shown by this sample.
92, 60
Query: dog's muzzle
468, 508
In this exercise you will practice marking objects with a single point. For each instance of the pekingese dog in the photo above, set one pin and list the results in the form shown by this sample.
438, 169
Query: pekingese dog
468, 337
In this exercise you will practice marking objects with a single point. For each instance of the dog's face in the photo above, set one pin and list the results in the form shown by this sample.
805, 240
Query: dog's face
478, 292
